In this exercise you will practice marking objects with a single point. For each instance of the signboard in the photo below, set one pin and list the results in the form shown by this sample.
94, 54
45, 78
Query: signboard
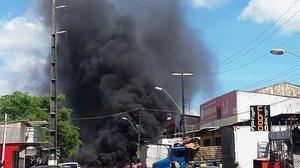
280, 135
260, 118
262, 149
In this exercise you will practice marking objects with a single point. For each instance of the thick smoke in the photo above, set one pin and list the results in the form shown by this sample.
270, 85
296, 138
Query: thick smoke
114, 54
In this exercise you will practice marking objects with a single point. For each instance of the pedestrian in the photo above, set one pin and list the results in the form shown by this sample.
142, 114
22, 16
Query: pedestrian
237, 164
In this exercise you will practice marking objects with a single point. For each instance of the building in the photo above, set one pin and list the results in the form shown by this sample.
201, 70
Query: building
234, 106
225, 121
20, 140
174, 125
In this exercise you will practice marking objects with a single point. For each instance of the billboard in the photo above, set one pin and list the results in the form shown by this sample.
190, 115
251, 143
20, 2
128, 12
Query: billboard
260, 118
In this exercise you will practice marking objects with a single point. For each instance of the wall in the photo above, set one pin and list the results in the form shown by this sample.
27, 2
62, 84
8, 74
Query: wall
279, 104
15, 132
227, 146
218, 108
246, 144
8, 157
221, 122
284, 89
211, 136
153, 153
192, 123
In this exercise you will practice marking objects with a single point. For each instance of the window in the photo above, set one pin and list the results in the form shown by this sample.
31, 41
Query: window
226, 109
219, 113
179, 153
206, 142
224, 112
218, 141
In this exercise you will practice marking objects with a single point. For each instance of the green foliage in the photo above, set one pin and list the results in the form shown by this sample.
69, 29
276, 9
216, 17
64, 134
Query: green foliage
22, 106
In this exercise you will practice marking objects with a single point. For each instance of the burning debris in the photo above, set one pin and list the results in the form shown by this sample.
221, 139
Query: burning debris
114, 54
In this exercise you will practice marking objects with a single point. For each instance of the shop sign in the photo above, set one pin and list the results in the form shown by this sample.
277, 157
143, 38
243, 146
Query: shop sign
260, 118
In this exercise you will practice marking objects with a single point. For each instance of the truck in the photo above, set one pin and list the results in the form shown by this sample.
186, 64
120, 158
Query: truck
151, 153
190, 151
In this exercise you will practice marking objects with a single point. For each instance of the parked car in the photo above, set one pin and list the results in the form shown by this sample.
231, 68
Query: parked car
70, 165
45, 166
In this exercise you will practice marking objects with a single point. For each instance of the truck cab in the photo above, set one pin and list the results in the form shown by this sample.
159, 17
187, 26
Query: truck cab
176, 153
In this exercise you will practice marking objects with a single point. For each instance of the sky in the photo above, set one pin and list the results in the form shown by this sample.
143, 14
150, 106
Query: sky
239, 34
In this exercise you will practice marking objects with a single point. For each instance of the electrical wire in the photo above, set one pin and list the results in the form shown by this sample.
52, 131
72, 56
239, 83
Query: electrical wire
125, 112
234, 57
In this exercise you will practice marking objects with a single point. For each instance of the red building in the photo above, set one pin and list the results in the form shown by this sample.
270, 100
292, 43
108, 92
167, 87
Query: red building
219, 107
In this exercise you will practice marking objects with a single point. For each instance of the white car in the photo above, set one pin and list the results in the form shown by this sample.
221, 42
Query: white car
70, 165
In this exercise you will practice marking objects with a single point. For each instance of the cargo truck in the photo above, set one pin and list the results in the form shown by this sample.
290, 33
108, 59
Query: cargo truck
190, 151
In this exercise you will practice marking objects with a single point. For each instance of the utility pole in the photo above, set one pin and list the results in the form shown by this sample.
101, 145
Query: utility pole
4, 140
139, 135
182, 74
53, 85
53, 96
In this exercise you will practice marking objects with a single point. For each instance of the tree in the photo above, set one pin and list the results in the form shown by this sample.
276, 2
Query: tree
22, 106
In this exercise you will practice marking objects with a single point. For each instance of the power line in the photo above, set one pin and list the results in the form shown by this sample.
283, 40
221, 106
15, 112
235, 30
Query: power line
234, 57
125, 112
106, 116
281, 101
261, 57
276, 76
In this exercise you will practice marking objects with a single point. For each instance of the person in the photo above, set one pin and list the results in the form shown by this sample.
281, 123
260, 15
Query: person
203, 164
139, 163
189, 165
174, 164
127, 164
220, 165
237, 164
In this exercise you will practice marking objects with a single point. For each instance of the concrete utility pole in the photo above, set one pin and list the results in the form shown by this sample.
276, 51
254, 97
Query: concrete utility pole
53, 96
182, 74
53, 85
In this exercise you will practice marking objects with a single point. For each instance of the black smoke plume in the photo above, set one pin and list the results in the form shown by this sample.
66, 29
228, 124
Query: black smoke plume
113, 56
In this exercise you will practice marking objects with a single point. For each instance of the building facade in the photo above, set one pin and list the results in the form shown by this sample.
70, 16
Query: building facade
227, 117
235, 106
20, 141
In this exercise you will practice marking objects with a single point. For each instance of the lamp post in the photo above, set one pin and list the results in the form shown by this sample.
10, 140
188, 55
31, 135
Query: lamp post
279, 51
182, 74
138, 131
162, 89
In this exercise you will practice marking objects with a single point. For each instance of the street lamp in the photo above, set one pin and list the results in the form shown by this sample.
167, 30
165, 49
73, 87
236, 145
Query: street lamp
182, 74
279, 51
162, 89
138, 131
